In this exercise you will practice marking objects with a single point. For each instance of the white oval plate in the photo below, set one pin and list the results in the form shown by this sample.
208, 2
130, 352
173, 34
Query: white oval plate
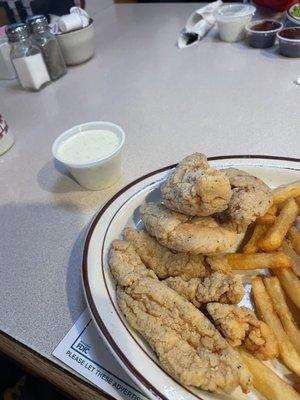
129, 348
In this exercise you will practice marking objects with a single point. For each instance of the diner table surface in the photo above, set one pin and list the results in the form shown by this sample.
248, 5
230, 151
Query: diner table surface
217, 98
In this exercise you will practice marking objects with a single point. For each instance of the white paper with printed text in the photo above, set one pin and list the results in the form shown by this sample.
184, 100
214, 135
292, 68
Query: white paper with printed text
83, 350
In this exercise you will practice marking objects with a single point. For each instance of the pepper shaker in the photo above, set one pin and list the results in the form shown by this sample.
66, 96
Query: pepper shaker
48, 45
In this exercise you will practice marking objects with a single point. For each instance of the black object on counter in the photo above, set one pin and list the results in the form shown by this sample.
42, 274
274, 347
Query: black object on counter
56, 7
18, 10
21, 10
9, 12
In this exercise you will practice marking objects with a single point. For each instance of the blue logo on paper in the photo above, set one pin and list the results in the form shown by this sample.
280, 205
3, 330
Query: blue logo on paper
83, 347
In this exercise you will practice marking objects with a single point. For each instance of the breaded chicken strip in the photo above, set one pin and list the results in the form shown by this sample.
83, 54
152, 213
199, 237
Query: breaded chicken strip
220, 287
240, 326
250, 199
198, 235
193, 188
185, 341
163, 261
125, 265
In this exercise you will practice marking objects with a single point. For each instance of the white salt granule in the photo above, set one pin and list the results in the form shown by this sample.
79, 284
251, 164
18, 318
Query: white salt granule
32, 71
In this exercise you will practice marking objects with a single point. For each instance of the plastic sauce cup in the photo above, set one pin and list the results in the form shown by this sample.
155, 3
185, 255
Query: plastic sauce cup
232, 20
262, 34
292, 16
98, 174
289, 42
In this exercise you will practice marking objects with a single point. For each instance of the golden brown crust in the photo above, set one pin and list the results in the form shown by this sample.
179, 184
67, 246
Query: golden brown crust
251, 197
186, 342
163, 261
125, 265
195, 189
220, 287
198, 235
240, 326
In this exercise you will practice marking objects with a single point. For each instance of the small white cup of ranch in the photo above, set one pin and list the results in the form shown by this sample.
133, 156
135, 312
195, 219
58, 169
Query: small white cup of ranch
92, 153
232, 20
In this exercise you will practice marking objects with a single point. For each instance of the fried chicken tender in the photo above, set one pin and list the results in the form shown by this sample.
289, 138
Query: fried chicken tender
187, 344
125, 265
193, 188
163, 261
197, 235
220, 287
240, 326
251, 197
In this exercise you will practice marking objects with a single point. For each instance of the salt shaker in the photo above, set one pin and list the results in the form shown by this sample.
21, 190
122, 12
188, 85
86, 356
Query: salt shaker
26, 58
49, 46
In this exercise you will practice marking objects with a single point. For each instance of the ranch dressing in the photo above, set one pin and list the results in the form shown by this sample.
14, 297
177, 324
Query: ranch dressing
88, 146
232, 19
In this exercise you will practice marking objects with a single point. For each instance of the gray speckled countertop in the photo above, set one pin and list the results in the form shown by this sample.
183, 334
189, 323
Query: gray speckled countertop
217, 98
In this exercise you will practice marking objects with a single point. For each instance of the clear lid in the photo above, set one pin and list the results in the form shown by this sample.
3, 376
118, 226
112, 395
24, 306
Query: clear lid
231, 11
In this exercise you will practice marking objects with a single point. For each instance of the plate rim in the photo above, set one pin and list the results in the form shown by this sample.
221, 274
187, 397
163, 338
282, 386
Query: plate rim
117, 352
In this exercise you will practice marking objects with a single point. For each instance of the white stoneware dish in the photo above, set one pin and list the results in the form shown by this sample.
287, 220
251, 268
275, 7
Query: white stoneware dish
129, 348
78, 46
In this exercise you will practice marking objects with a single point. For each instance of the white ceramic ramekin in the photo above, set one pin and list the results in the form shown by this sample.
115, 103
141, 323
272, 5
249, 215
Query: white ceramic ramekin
77, 46
96, 175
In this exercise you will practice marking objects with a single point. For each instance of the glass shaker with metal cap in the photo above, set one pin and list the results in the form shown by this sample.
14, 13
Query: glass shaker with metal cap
26, 58
49, 46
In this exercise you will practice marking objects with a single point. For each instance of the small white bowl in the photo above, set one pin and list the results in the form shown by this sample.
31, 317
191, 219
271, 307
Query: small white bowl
96, 175
77, 46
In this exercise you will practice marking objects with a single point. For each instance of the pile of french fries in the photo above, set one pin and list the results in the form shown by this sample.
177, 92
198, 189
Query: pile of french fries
269, 234
265, 250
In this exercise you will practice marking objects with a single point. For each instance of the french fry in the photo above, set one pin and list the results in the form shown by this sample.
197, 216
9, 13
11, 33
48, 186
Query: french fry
243, 261
290, 283
273, 209
266, 219
252, 245
276, 233
264, 307
269, 218
283, 193
260, 229
266, 381
288, 249
279, 303
294, 237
